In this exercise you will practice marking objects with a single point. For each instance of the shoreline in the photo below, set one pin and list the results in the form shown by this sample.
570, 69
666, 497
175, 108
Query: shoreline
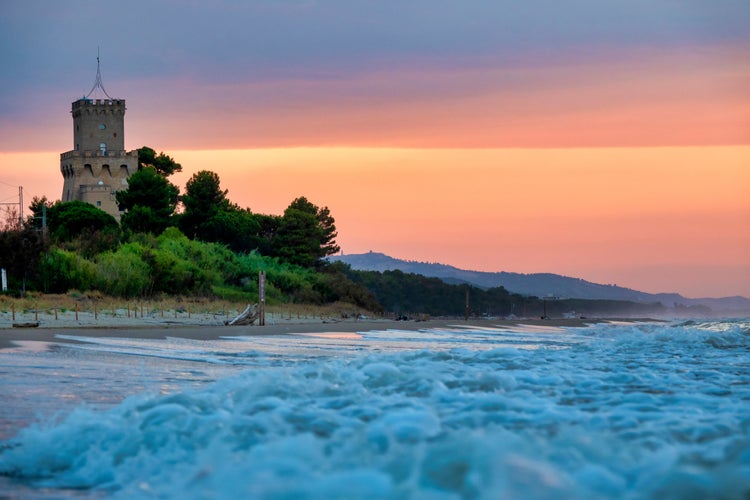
195, 330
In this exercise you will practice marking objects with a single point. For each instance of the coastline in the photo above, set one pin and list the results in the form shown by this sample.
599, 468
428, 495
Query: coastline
207, 328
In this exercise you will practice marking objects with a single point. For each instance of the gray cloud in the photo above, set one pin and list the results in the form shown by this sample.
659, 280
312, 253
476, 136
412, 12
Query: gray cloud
48, 48
263, 37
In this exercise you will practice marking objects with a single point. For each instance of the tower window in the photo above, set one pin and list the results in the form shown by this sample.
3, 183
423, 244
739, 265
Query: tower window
103, 148
102, 126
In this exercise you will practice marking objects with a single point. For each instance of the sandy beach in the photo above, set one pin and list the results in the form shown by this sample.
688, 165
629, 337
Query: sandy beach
211, 327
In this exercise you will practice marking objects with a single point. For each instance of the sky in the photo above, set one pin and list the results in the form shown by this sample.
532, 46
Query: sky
608, 141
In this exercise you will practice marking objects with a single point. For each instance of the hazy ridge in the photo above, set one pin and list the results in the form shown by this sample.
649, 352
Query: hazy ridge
539, 284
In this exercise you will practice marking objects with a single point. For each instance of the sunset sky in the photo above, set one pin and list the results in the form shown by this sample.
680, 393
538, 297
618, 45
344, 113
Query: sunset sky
605, 140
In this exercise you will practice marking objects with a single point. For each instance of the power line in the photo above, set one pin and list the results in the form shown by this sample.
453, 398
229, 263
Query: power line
19, 203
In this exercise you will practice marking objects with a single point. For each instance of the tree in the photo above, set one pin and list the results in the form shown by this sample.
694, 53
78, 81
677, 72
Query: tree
269, 228
305, 235
163, 164
82, 228
304, 205
149, 201
235, 227
209, 215
327, 223
21, 250
69, 219
203, 199
39, 208
298, 238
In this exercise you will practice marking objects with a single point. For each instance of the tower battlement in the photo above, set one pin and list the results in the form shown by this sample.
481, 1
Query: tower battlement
86, 106
86, 102
94, 154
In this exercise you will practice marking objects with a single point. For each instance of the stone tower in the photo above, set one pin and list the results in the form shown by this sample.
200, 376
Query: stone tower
98, 166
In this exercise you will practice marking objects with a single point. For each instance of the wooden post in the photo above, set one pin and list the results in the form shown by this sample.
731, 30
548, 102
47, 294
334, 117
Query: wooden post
36, 313
76, 311
96, 312
127, 306
55, 313
13, 310
466, 311
262, 298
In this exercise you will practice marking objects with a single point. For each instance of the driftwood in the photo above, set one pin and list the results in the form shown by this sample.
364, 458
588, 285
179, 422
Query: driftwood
246, 317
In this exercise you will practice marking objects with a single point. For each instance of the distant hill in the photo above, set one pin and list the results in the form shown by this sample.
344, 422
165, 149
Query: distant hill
538, 284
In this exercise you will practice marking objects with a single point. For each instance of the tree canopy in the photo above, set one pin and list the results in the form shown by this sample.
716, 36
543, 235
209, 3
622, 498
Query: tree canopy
163, 164
305, 234
203, 199
39, 207
235, 227
298, 238
69, 219
149, 201
21, 249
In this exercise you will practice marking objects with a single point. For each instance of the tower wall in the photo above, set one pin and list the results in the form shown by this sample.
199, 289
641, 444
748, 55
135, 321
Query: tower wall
97, 122
94, 178
98, 166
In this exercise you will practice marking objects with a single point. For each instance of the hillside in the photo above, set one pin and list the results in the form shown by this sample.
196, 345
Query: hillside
539, 284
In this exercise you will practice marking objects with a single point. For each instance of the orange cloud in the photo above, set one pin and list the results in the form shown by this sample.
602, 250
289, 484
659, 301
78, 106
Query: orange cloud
676, 97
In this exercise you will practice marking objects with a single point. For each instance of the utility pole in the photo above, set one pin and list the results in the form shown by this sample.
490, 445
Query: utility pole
20, 204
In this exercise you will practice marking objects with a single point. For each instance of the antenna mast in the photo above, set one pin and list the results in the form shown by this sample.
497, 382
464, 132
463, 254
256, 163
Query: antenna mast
98, 82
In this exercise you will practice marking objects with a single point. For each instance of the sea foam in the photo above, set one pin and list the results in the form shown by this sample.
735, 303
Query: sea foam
610, 411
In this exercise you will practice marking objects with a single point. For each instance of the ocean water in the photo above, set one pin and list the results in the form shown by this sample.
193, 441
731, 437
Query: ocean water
648, 410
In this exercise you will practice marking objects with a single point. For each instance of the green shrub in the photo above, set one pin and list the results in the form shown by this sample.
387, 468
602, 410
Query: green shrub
124, 273
234, 294
210, 263
62, 270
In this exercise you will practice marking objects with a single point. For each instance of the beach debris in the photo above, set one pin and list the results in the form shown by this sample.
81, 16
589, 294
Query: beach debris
246, 317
